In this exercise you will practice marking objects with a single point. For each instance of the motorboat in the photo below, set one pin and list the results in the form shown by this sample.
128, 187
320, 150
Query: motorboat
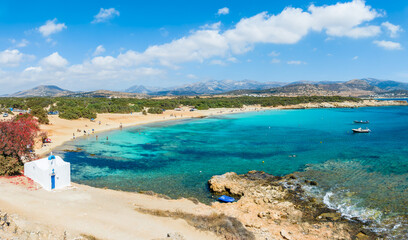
361, 121
360, 130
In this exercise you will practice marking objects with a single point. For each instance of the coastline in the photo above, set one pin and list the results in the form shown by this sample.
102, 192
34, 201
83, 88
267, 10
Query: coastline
268, 207
61, 130
95, 211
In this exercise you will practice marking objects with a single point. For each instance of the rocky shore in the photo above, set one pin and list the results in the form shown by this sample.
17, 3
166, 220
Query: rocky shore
267, 208
274, 207
347, 104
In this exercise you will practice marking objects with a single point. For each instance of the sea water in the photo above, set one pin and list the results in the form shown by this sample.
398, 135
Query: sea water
361, 175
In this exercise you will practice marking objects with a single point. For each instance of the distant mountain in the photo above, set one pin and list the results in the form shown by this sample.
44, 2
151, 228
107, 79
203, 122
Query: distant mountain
216, 87
144, 89
355, 87
42, 91
387, 84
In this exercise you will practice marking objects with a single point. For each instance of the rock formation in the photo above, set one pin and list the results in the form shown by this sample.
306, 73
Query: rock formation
276, 208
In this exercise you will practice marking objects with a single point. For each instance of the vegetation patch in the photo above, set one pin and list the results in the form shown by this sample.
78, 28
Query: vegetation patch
84, 107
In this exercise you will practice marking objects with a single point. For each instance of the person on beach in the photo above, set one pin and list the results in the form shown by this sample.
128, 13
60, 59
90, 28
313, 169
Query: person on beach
73, 135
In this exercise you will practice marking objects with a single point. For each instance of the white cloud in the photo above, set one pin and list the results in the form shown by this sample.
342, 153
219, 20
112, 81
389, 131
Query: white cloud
355, 57
54, 61
389, 45
207, 44
200, 45
51, 27
344, 19
99, 50
12, 58
295, 62
292, 24
20, 44
274, 54
33, 69
232, 59
164, 32
275, 60
287, 27
105, 14
223, 11
218, 62
393, 30
191, 76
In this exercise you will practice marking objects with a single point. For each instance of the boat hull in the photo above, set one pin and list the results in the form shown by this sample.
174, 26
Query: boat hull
361, 131
226, 199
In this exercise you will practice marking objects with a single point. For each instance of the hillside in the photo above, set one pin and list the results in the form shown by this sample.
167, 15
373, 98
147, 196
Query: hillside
42, 91
204, 88
388, 85
354, 88
107, 94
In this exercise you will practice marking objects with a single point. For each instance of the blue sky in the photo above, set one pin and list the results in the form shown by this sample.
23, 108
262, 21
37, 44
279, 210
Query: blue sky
89, 45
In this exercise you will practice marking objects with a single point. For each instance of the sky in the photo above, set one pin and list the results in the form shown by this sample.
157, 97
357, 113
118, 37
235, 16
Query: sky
90, 45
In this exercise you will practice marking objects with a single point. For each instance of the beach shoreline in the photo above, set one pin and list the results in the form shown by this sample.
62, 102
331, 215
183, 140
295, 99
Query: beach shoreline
61, 131
94, 205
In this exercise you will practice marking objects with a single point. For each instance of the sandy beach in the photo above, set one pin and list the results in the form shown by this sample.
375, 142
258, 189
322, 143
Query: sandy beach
61, 130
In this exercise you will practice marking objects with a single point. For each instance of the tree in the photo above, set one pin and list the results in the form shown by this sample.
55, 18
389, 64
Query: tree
41, 114
17, 136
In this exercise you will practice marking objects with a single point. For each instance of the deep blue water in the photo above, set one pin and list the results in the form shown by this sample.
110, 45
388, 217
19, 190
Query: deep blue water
363, 175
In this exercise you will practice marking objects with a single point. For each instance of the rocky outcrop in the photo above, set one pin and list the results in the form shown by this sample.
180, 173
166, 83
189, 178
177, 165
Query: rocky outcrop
276, 208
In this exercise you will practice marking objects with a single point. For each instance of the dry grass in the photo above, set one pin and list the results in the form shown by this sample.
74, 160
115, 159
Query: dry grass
88, 237
220, 224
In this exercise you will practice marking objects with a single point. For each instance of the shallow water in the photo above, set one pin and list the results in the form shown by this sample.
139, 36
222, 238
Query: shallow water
362, 175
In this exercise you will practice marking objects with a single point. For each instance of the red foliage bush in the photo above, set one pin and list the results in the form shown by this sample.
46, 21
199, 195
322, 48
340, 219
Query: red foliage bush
17, 136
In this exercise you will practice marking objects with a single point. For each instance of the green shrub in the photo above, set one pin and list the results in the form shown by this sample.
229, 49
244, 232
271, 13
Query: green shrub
155, 110
10, 166
203, 107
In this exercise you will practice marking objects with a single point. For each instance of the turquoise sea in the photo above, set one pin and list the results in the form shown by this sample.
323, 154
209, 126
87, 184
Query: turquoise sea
361, 175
